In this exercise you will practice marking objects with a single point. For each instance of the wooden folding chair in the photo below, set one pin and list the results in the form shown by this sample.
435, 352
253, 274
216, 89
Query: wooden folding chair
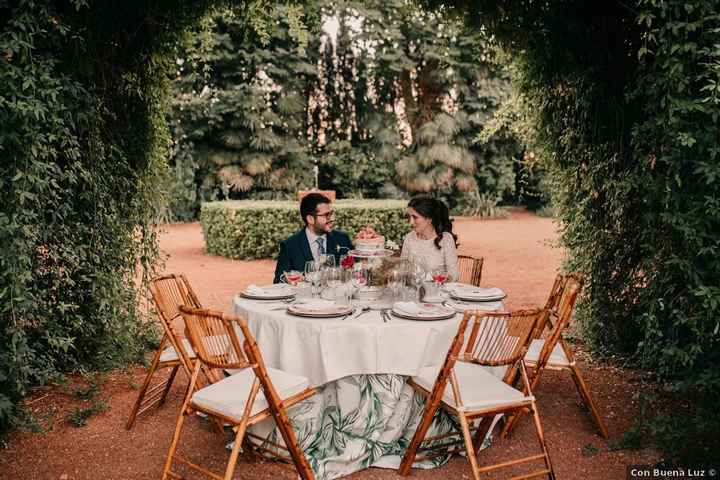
551, 307
470, 269
480, 386
251, 394
553, 353
168, 293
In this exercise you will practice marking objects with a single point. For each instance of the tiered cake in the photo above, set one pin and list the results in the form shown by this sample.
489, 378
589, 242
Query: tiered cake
368, 240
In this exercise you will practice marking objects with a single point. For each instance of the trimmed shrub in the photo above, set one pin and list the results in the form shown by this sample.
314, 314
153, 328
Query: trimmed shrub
248, 229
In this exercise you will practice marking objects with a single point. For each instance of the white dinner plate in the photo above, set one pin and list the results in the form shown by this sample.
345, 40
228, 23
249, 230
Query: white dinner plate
327, 312
428, 311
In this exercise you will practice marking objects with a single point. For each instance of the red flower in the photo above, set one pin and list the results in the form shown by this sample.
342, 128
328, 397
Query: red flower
347, 261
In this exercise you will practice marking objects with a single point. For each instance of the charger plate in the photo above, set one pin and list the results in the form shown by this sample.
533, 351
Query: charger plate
329, 312
269, 296
430, 312
471, 293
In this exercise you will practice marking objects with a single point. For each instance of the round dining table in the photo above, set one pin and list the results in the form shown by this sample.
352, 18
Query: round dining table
364, 413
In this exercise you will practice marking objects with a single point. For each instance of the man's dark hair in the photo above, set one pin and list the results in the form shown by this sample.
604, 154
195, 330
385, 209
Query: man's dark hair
309, 203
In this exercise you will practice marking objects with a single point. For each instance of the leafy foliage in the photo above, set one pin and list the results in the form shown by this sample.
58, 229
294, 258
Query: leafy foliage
254, 229
239, 114
82, 145
383, 112
625, 103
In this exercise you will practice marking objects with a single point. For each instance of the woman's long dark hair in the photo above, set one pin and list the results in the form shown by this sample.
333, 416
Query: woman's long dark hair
438, 214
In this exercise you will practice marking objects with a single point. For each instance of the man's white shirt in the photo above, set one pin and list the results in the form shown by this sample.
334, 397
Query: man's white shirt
312, 240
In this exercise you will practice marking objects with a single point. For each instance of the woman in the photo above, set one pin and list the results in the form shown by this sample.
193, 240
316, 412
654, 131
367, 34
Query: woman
432, 238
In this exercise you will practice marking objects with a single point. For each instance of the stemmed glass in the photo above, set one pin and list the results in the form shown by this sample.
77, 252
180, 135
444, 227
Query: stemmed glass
440, 275
313, 273
327, 260
418, 273
333, 279
396, 282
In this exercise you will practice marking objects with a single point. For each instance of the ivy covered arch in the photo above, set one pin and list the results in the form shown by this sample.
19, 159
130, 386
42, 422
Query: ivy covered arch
625, 101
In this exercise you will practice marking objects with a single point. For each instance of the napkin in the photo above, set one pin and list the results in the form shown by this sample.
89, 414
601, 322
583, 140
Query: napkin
409, 308
276, 288
462, 306
317, 305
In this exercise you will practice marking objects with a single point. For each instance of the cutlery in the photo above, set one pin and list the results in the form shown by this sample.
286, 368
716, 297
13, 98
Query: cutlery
359, 312
352, 312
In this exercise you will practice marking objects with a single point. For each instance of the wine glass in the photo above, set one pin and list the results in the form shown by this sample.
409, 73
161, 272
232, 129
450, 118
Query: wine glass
396, 281
313, 273
327, 260
440, 276
291, 277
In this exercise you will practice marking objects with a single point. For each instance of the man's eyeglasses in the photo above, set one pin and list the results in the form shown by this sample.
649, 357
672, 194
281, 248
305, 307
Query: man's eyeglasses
329, 214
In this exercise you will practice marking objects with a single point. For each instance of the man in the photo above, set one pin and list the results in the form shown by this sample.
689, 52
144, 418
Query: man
317, 238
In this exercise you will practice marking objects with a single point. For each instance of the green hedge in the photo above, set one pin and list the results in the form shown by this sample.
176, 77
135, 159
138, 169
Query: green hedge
249, 229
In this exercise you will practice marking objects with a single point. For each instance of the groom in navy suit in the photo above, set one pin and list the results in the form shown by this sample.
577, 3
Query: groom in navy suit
317, 238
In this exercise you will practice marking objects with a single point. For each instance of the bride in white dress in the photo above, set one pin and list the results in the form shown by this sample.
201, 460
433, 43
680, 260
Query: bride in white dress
431, 240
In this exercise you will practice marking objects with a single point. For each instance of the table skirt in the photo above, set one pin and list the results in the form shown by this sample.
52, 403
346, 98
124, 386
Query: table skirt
358, 422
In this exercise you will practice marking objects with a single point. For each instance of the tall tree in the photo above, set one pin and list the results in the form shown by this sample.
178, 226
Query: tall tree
241, 108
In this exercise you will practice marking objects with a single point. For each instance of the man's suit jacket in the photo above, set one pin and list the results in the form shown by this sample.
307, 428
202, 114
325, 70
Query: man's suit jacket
295, 251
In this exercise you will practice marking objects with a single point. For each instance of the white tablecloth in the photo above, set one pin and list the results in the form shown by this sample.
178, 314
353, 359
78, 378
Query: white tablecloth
327, 349
364, 413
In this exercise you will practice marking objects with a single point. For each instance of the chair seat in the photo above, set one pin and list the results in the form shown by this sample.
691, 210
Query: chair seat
170, 355
479, 388
228, 396
557, 357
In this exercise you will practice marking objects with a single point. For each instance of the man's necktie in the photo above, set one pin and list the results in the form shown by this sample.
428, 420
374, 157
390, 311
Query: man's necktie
320, 245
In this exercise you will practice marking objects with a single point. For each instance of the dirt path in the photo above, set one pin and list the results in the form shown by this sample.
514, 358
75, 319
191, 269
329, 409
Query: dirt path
518, 259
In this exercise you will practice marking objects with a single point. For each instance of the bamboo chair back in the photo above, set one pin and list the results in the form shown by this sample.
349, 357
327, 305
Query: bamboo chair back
500, 338
549, 313
562, 315
470, 269
214, 338
169, 292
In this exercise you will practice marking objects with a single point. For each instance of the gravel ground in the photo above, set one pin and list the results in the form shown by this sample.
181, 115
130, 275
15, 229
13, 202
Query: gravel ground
519, 258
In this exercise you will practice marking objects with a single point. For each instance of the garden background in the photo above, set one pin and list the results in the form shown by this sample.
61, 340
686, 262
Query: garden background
115, 117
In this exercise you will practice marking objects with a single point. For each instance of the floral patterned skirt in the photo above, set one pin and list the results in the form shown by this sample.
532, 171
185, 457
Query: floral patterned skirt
358, 422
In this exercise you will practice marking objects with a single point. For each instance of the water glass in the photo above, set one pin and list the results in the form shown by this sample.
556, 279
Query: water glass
343, 294
333, 279
314, 273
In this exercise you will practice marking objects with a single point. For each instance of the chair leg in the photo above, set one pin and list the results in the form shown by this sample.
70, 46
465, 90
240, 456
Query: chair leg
180, 422
514, 419
469, 449
301, 464
587, 398
169, 383
173, 444
146, 383
239, 435
541, 441
431, 407
485, 425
